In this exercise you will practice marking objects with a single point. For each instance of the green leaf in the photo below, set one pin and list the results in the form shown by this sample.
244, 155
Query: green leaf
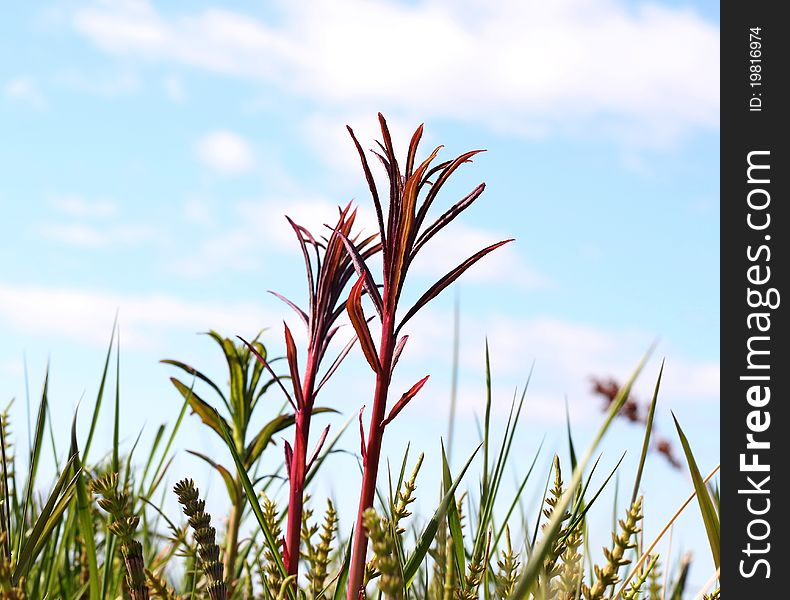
648, 431
264, 437
342, 576
453, 520
100, 394
709, 515
35, 454
517, 495
428, 534
252, 497
529, 575
195, 373
84, 517
201, 408
226, 476
49, 516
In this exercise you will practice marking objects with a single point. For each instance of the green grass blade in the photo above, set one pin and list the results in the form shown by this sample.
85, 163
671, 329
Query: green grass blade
532, 569
425, 540
226, 475
252, 497
84, 517
109, 557
116, 442
571, 447
582, 507
50, 513
35, 454
195, 373
5, 509
517, 496
157, 475
648, 431
453, 519
100, 393
680, 582
709, 515
160, 432
486, 427
342, 576
454, 372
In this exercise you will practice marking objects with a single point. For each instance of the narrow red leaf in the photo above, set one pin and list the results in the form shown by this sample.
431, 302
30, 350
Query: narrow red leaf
404, 400
318, 447
398, 350
385, 132
415, 141
286, 553
371, 182
293, 366
437, 287
433, 171
403, 234
354, 307
274, 375
302, 314
447, 217
445, 175
362, 434
363, 271
307, 263
335, 364
289, 455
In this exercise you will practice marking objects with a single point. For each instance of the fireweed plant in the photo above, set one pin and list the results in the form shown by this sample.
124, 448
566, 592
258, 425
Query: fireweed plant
329, 268
402, 235
101, 531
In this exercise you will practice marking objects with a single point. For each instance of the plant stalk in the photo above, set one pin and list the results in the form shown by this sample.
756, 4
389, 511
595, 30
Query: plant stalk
372, 457
298, 467
232, 536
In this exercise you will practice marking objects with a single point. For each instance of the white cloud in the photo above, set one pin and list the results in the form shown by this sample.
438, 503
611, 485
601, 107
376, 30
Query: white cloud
76, 206
238, 248
12, 368
565, 354
106, 85
174, 89
225, 152
198, 211
26, 90
89, 236
643, 73
86, 316
312, 212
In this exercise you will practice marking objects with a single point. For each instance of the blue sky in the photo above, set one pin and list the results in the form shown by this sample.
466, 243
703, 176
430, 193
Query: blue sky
150, 151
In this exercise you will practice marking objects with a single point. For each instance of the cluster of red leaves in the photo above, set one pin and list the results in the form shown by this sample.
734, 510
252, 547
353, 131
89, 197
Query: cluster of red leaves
634, 412
404, 230
332, 262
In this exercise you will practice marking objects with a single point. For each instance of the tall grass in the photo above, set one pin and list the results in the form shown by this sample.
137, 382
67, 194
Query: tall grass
101, 530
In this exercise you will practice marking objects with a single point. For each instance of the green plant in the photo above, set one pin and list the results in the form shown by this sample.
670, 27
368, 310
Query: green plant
478, 543
246, 387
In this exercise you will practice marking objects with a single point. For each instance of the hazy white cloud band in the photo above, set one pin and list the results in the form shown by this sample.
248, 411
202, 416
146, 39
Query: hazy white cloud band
647, 73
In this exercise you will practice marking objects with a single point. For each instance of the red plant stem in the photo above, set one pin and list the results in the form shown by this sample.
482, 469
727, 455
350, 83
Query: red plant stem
299, 466
372, 457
